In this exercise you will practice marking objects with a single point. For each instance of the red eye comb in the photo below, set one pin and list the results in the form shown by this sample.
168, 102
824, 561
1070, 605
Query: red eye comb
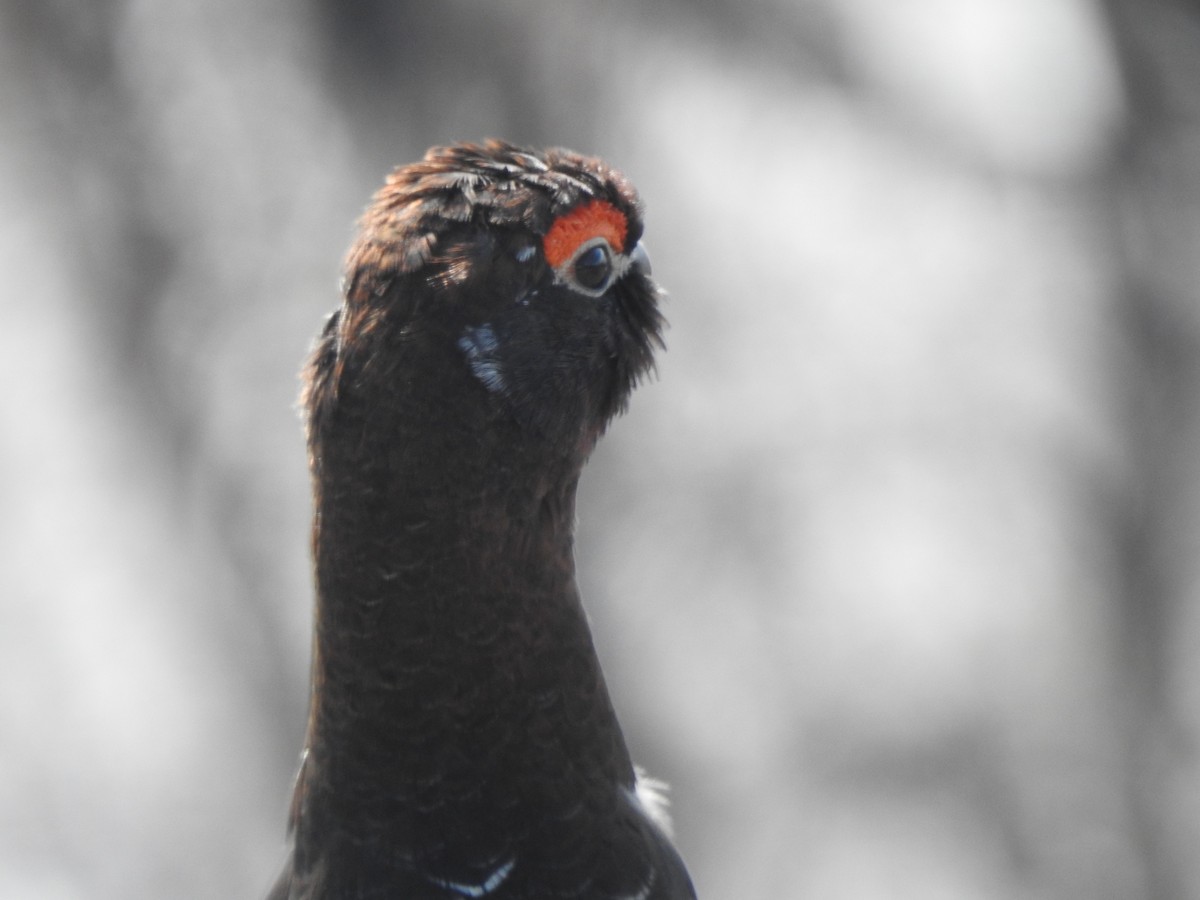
590, 220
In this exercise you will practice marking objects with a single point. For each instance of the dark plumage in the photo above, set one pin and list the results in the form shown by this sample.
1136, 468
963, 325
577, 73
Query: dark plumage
498, 311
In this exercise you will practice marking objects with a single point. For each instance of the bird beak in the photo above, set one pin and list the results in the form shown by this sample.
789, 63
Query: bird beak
639, 260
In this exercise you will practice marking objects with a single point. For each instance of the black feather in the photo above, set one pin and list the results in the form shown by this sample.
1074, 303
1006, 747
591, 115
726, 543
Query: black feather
461, 739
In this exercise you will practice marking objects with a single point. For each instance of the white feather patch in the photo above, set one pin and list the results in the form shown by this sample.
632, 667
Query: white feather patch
651, 795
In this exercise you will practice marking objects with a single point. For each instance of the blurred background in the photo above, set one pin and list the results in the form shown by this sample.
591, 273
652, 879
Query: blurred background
894, 568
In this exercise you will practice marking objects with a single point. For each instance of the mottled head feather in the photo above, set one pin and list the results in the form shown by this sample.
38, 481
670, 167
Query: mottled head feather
423, 270
494, 183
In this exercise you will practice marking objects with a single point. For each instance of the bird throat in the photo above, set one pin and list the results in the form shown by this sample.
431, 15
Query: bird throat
454, 676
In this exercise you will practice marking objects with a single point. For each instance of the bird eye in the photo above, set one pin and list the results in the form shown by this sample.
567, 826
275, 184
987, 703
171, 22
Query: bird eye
593, 267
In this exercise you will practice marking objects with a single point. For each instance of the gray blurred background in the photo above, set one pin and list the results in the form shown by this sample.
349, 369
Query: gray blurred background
894, 569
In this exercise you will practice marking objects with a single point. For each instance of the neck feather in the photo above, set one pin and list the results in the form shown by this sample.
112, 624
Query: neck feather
454, 672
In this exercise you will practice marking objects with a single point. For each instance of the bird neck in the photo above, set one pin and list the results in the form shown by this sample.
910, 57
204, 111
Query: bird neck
453, 662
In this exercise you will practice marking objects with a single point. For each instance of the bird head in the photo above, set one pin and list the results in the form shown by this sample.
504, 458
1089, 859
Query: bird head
497, 283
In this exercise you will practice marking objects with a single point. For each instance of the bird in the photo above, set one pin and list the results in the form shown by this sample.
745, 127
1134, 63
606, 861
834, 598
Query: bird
497, 312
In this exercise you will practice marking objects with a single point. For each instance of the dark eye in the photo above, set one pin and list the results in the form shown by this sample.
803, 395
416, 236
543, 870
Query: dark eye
593, 267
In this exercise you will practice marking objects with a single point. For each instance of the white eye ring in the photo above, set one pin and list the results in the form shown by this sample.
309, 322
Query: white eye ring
617, 265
